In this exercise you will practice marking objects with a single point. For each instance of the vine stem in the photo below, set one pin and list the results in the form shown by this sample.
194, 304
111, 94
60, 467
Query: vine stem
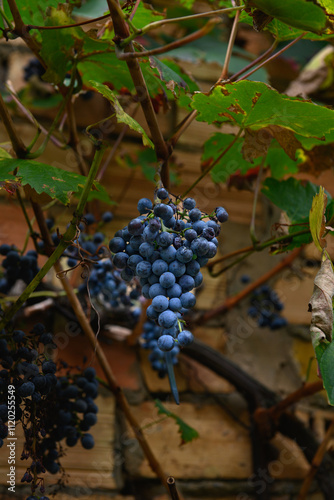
231, 302
316, 462
228, 55
125, 56
272, 57
29, 224
256, 195
274, 412
63, 244
17, 143
157, 24
172, 488
82, 23
210, 167
254, 248
255, 62
121, 33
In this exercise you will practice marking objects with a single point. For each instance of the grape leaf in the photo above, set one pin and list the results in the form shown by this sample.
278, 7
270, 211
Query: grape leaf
302, 14
168, 75
292, 196
187, 432
120, 114
32, 12
231, 162
55, 182
4, 153
255, 105
325, 357
282, 31
317, 219
145, 14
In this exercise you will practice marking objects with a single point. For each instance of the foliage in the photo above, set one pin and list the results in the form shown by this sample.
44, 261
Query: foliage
265, 134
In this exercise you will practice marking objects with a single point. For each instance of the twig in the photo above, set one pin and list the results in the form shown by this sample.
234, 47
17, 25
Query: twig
316, 462
115, 146
228, 55
32, 233
172, 488
256, 194
21, 30
157, 24
213, 164
255, 62
231, 302
182, 127
74, 141
268, 417
17, 143
122, 32
272, 57
90, 21
254, 248
125, 56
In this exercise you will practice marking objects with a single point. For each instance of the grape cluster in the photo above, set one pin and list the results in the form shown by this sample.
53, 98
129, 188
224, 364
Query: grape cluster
165, 248
50, 408
16, 266
150, 336
265, 307
34, 67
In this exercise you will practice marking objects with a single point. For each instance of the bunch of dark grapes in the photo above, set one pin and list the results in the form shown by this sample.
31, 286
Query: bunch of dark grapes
16, 267
165, 248
150, 337
50, 408
34, 67
265, 307
103, 280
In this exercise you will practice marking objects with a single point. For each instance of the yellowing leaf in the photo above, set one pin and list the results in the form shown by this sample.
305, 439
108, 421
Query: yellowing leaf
121, 116
317, 219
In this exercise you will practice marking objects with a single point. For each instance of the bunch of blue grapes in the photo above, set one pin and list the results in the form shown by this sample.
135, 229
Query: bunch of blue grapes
16, 266
34, 67
150, 337
50, 408
103, 280
265, 307
165, 248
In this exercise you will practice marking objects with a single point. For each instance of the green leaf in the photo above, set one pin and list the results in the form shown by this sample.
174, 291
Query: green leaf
255, 105
4, 153
279, 162
145, 14
91, 9
292, 196
55, 182
302, 14
120, 114
187, 432
325, 356
231, 162
168, 75
317, 219
32, 12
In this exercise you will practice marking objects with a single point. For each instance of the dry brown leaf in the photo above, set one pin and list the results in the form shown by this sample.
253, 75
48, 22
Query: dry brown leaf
321, 304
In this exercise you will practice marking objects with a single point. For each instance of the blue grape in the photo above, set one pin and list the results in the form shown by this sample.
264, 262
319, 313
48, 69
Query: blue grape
166, 343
